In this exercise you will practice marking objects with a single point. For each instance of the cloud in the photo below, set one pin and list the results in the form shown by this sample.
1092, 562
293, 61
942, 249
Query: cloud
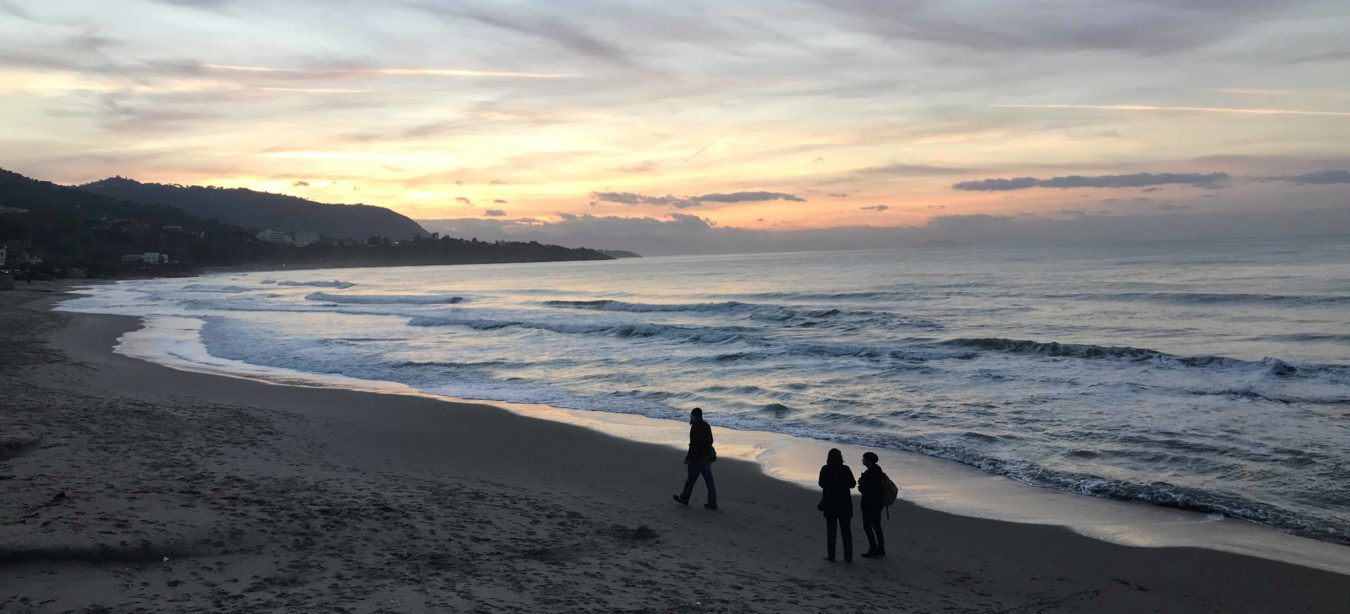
679, 233
1145, 28
877, 208
464, 200
685, 202
1316, 178
498, 201
893, 170
741, 197
377, 71
300, 184
631, 198
14, 10
199, 4
494, 213
1176, 109
544, 27
1137, 180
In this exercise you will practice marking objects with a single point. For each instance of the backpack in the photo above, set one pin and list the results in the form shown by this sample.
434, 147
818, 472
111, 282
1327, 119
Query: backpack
889, 494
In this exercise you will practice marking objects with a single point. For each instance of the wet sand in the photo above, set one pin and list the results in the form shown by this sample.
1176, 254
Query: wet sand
131, 486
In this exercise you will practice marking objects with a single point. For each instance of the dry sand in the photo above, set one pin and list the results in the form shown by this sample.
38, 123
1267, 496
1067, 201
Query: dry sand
128, 486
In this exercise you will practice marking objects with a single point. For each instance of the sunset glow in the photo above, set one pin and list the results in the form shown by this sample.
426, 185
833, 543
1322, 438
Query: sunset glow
868, 115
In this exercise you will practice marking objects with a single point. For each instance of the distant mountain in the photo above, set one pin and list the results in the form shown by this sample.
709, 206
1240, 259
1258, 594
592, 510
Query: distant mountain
68, 227
620, 253
261, 210
51, 230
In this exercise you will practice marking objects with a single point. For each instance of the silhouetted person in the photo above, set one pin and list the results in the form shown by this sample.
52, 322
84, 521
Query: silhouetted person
872, 485
836, 480
699, 459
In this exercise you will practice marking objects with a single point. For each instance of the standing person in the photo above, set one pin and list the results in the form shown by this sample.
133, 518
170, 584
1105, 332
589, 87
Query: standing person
872, 485
836, 480
699, 459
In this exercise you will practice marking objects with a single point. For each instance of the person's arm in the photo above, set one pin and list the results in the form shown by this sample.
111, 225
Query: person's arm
821, 481
851, 482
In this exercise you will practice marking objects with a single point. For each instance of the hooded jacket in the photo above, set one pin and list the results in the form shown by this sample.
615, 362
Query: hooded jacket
872, 486
836, 480
700, 442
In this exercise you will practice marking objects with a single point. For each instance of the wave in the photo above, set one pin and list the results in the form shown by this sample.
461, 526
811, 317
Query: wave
386, 299
613, 305
730, 307
1213, 298
797, 316
1270, 366
723, 334
1306, 337
215, 288
340, 285
1166, 494
966, 448
834, 296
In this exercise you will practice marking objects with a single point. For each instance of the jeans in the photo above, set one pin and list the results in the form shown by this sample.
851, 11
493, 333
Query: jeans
843, 526
703, 468
876, 541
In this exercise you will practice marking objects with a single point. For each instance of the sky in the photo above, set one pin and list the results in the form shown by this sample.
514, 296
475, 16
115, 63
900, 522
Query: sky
783, 117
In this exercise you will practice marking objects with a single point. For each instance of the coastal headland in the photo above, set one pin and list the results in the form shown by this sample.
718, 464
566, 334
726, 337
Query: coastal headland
134, 487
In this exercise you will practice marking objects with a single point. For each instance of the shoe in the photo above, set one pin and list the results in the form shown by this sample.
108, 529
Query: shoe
680, 500
711, 506
869, 554
881, 552
830, 559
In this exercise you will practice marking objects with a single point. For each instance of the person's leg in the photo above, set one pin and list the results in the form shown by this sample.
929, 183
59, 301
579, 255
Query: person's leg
708, 481
830, 523
689, 483
846, 534
881, 537
867, 530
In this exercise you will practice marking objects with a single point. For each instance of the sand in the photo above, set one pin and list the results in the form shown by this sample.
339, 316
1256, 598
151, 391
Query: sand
130, 486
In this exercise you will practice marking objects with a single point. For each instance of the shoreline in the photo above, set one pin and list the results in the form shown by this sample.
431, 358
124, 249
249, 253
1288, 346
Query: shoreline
930, 482
317, 497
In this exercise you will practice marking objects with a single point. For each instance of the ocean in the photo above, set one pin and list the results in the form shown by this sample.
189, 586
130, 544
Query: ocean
1208, 376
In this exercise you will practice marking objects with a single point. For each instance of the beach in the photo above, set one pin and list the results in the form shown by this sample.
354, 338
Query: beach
131, 486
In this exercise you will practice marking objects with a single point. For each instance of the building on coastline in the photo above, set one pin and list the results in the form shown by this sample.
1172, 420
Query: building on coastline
147, 258
305, 237
4, 251
17, 254
274, 236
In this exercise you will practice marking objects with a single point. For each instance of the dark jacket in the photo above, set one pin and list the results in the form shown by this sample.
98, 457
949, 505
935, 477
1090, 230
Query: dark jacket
836, 480
700, 442
872, 486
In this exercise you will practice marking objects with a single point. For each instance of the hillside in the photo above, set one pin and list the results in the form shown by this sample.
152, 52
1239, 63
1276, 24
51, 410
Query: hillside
261, 210
68, 228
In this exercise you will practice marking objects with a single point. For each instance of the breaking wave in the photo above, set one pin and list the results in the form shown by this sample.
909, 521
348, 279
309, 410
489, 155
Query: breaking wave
386, 299
1269, 366
340, 285
1212, 298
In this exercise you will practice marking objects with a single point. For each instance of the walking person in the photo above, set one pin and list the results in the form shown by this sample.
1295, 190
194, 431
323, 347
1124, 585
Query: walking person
836, 502
872, 486
699, 459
